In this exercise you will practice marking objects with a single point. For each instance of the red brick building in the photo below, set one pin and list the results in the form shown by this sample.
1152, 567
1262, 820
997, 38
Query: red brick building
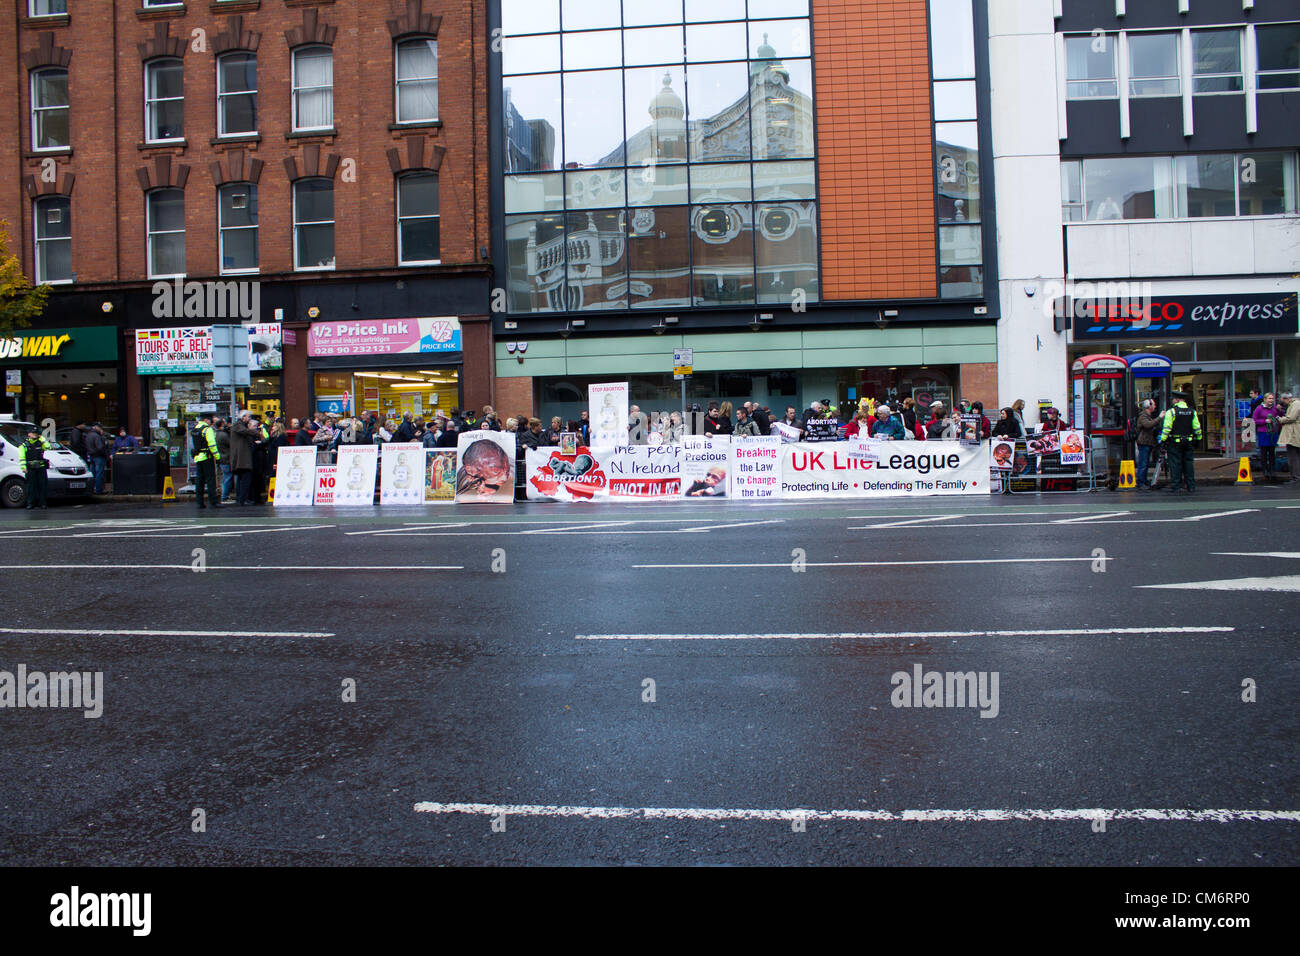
330, 153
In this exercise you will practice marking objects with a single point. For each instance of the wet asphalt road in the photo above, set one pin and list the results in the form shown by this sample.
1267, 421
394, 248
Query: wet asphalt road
483, 687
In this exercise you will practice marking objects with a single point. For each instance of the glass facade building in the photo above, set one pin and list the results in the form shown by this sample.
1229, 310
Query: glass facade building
658, 154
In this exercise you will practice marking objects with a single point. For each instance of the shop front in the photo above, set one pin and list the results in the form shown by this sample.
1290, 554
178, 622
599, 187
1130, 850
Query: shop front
65, 375
175, 366
389, 367
1222, 347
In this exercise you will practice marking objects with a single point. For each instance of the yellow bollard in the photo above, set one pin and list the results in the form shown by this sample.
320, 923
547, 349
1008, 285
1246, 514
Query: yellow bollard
169, 489
1243, 473
1127, 474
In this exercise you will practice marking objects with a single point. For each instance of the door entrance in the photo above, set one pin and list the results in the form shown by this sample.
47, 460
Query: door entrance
1214, 397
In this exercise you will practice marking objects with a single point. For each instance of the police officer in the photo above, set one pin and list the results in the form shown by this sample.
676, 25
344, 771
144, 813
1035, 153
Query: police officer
206, 457
35, 467
1181, 427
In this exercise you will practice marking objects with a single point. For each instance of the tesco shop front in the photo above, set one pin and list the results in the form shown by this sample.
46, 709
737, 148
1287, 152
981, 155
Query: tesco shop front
390, 367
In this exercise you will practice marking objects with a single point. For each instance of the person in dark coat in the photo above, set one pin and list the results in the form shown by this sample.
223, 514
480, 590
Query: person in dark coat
242, 436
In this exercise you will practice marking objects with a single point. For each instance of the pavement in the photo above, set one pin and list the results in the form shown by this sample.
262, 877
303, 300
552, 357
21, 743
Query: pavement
687, 683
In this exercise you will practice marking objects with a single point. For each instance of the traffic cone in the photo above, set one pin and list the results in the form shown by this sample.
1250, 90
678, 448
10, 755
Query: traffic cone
270, 492
1243, 472
169, 489
1127, 475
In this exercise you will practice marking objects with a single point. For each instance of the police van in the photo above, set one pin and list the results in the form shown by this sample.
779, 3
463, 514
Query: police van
68, 475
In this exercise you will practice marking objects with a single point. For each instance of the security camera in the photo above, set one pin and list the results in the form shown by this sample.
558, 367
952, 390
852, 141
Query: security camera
1031, 290
511, 346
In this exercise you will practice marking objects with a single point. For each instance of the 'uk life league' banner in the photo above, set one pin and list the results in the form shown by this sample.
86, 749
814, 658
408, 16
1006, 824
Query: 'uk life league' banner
905, 468
1194, 316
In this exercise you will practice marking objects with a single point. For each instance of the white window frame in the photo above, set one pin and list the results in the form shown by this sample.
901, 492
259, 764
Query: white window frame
152, 4
1262, 73
401, 259
1177, 75
222, 229
221, 116
32, 4
149, 103
397, 83
37, 241
333, 224
1193, 76
150, 232
296, 89
37, 110
1112, 41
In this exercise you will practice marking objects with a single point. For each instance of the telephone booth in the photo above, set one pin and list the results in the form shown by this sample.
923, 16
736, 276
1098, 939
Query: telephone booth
1150, 376
1100, 408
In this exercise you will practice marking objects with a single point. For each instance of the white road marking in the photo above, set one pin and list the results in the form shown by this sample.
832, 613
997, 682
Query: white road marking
300, 527
408, 527
1258, 554
1098, 517
67, 527
158, 633
230, 567
878, 564
891, 635
853, 816
1223, 514
1289, 582
993, 512
914, 521
1113, 521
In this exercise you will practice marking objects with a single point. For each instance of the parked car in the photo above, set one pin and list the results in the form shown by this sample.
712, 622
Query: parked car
69, 477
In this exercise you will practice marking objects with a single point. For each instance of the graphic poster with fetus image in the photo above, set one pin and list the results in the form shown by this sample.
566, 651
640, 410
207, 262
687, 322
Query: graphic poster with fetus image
607, 406
295, 477
355, 479
1002, 453
485, 469
401, 474
1071, 448
705, 466
440, 476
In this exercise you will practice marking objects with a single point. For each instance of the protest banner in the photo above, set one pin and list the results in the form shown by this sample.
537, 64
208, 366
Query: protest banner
355, 484
905, 468
401, 474
607, 406
756, 468
485, 467
704, 467
630, 472
295, 471
440, 476
326, 478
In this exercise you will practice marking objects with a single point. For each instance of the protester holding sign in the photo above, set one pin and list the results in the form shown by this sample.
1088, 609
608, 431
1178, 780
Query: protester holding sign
886, 427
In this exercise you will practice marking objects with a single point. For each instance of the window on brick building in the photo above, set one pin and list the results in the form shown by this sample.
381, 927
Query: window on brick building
313, 88
46, 8
313, 224
237, 224
50, 110
417, 219
417, 81
237, 94
164, 100
53, 239
165, 212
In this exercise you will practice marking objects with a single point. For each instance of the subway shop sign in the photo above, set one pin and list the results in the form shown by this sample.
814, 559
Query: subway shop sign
60, 346
1185, 316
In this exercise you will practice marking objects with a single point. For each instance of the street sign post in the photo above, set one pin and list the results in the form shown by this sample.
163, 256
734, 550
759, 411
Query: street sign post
683, 368
230, 360
14, 385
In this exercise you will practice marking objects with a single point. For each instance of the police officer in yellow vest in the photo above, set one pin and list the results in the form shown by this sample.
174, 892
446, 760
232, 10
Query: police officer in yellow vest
1181, 427
203, 444
35, 467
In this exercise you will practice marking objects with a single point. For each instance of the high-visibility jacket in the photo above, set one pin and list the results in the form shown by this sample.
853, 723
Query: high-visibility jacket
1181, 424
210, 435
32, 453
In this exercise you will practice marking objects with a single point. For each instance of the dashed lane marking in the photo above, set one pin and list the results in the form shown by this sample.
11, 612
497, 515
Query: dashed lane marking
87, 632
893, 635
878, 564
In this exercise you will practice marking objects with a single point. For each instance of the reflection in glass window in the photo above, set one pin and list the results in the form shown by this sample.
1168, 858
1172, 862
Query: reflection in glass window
237, 224
784, 180
1128, 187
722, 249
658, 255
537, 54
539, 192
1090, 67
1205, 186
952, 39
716, 41
960, 245
651, 45
773, 39
535, 257
656, 185
721, 182
1071, 191
782, 111
961, 282
597, 260
698, 11
1278, 52
589, 14
785, 246
1153, 64
603, 188
529, 16
1216, 61
53, 239
593, 119
656, 115
644, 13
237, 94
717, 108
954, 100
957, 166
533, 134
1272, 189
593, 51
